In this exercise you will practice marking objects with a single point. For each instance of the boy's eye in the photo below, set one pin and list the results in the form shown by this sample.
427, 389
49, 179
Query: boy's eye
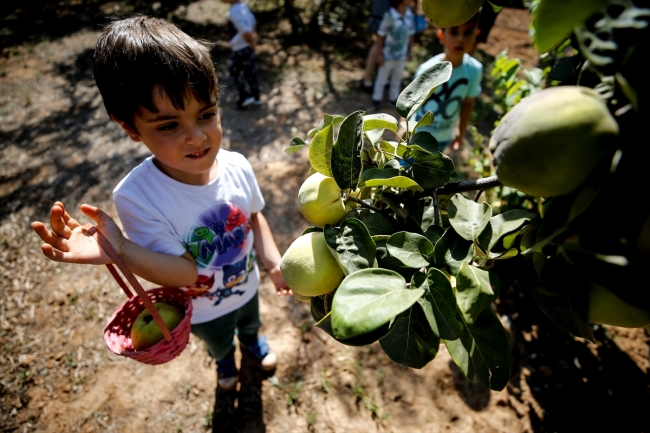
209, 115
167, 127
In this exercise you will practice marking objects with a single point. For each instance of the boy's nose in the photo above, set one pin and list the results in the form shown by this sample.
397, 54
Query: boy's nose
195, 136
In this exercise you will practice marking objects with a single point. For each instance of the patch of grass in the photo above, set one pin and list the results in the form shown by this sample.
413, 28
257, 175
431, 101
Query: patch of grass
311, 418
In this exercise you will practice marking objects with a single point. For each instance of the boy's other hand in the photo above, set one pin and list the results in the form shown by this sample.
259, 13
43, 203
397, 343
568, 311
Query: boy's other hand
281, 287
67, 241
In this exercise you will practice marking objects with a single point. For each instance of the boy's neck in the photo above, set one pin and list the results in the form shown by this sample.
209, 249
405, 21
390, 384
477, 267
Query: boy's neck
455, 61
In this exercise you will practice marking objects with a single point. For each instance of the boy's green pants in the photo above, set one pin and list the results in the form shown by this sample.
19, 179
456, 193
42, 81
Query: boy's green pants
218, 334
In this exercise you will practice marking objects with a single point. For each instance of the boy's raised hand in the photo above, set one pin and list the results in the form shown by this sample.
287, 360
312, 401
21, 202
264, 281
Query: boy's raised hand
281, 287
69, 242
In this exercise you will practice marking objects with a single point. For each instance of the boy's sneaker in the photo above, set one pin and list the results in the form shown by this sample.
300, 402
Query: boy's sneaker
248, 101
227, 372
375, 104
257, 102
393, 103
261, 354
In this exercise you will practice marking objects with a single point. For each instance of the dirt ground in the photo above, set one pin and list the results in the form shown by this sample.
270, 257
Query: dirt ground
56, 375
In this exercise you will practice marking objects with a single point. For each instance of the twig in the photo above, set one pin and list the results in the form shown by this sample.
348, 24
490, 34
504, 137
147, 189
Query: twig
478, 196
470, 185
436, 215
363, 203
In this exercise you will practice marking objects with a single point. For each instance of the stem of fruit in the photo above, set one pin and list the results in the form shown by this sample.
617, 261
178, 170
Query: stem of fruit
363, 203
470, 185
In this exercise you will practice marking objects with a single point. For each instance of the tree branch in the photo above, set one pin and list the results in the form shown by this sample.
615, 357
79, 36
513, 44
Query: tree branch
363, 203
470, 185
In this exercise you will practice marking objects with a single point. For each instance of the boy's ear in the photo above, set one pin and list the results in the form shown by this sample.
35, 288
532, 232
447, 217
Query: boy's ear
440, 34
132, 132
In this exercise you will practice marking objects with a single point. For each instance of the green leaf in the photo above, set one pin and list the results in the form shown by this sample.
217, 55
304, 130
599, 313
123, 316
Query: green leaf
431, 171
360, 340
482, 352
310, 230
411, 342
501, 225
438, 303
425, 120
563, 295
317, 307
368, 299
295, 144
388, 177
375, 223
346, 154
424, 142
354, 248
411, 249
468, 218
554, 20
451, 251
475, 290
379, 121
375, 135
320, 151
416, 93
434, 233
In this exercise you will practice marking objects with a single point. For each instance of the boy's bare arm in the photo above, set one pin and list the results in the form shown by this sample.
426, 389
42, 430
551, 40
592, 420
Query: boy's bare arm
268, 252
380, 50
463, 121
250, 38
67, 241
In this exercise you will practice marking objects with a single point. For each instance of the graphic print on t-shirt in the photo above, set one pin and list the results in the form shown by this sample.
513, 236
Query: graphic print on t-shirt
220, 242
444, 105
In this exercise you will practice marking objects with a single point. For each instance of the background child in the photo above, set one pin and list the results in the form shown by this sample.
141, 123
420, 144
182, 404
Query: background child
192, 211
452, 103
395, 41
379, 8
242, 65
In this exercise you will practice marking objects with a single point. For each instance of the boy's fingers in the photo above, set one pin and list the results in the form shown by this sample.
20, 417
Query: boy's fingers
50, 238
98, 215
57, 223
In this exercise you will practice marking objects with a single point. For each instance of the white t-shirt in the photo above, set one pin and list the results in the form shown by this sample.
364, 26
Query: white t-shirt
211, 221
240, 20
445, 103
397, 29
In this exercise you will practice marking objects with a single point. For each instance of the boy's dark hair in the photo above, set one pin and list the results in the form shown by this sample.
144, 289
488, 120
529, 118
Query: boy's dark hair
394, 3
136, 55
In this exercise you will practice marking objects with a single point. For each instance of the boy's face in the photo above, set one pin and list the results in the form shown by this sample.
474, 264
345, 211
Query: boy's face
184, 142
458, 40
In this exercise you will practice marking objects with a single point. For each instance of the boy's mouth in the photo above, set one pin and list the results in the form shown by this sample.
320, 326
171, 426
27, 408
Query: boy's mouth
198, 154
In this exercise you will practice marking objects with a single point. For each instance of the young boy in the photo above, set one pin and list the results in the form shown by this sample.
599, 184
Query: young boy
242, 65
192, 211
395, 41
452, 103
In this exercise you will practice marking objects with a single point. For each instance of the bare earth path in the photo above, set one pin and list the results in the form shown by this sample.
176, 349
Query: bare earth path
57, 143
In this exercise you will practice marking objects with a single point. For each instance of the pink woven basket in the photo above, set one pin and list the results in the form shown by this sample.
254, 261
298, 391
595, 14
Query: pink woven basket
117, 333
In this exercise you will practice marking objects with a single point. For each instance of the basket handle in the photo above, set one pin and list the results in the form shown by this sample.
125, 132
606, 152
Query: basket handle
117, 260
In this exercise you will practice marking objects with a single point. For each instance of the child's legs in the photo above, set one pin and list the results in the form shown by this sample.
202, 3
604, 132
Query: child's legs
397, 72
380, 82
249, 321
235, 69
249, 71
218, 335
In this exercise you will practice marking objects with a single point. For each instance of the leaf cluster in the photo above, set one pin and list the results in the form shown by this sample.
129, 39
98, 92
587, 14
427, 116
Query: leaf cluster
417, 261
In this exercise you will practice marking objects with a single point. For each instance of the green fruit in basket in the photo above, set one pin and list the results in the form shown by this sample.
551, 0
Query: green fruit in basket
145, 331
308, 266
550, 142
